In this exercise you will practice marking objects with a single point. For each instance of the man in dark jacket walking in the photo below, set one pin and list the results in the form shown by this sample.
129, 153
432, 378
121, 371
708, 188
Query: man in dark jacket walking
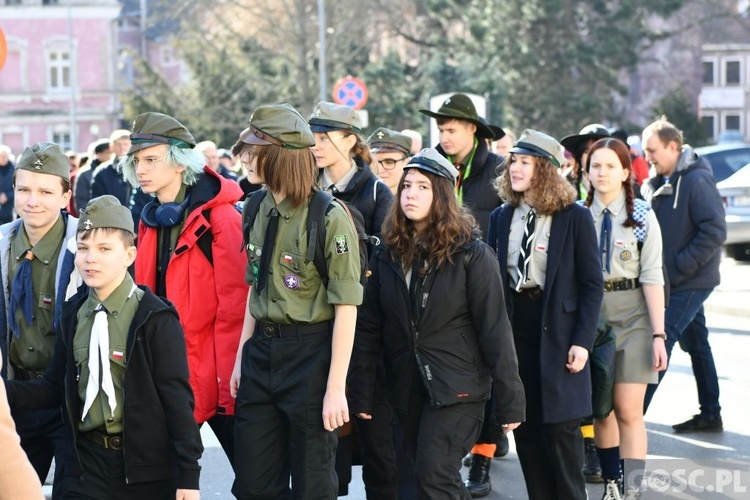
687, 204
463, 137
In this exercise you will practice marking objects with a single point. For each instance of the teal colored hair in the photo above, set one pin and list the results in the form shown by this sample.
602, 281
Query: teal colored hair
192, 160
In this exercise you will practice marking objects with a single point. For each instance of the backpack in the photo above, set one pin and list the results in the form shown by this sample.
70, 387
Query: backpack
640, 210
320, 204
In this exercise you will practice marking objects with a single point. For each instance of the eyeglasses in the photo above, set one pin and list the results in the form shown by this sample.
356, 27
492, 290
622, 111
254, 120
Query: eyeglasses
148, 163
390, 163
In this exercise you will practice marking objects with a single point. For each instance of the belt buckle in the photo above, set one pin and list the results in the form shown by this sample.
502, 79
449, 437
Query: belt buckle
113, 442
269, 331
608, 286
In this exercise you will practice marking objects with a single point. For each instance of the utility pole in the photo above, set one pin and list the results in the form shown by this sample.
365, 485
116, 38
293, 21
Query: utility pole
322, 75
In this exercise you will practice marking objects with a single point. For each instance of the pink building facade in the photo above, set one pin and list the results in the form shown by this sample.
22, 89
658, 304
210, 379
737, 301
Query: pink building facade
68, 63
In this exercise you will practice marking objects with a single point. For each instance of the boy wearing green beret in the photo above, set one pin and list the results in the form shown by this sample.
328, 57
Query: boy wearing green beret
120, 368
38, 274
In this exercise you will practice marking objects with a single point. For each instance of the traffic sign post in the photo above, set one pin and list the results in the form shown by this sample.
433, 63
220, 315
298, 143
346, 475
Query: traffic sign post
3, 48
350, 92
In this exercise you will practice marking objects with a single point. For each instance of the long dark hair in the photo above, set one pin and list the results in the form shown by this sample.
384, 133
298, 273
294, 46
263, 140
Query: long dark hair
449, 227
623, 154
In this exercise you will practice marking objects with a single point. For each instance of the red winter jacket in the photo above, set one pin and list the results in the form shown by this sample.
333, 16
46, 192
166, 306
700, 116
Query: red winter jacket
210, 300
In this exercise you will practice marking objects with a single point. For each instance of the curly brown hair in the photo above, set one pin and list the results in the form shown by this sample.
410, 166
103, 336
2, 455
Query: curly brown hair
623, 154
449, 227
549, 191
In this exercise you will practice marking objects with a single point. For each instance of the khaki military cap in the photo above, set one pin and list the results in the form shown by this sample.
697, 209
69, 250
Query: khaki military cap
105, 211
280, 125
45, 158
535, 143
385, 140
152, 129
328, 116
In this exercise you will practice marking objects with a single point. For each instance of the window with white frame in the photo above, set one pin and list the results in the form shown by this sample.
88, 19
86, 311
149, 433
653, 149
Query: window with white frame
58, 69
63, 139
732, 74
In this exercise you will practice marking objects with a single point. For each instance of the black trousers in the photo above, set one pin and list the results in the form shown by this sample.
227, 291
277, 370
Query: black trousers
223, 428
104, 477
43, 437
435, 440
376, 445
278, 424
551, 455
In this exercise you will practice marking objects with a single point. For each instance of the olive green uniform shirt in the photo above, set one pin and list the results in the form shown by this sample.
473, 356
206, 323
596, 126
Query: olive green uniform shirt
121, 306
294, 292
33, 348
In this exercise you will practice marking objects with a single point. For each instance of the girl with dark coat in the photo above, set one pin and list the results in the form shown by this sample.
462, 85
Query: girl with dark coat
425, 313
553, 301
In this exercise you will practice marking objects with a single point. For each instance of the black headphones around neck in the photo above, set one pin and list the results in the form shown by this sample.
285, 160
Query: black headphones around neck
156, 214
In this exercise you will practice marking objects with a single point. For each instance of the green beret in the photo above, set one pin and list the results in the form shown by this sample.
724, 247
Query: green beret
535, 143
385, 140
328, 116
105, 211
45, 158
152, 129
280, 125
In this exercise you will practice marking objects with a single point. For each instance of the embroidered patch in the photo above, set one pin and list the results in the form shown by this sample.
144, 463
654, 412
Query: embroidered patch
626, 255
117, 354
291, 281
342, 245
88, 224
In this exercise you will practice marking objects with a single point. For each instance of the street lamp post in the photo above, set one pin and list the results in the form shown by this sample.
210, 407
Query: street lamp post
322, 49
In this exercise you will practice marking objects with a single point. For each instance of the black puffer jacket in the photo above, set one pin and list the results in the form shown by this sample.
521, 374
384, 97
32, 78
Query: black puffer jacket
161, 437
369, 195
458, 343
479, 194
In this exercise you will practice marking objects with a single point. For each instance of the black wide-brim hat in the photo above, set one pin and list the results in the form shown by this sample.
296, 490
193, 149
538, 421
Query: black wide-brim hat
460, 107
594, 131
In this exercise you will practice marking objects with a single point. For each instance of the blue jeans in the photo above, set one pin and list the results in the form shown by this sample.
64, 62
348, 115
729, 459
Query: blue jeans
685, 323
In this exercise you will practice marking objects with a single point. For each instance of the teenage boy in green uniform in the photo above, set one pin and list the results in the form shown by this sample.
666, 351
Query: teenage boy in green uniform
139, 443
38, 275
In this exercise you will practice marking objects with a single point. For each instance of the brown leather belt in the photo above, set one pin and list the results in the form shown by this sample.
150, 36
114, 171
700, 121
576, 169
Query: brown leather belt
620, 285
270, 330
106, 441
535, 293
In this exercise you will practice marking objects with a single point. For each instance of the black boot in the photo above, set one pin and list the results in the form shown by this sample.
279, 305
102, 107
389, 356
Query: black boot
503, 446
592, 471
478, 483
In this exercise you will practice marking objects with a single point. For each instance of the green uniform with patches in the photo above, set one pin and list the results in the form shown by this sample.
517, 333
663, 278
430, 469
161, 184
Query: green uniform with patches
121, 306
295, 292
32, 350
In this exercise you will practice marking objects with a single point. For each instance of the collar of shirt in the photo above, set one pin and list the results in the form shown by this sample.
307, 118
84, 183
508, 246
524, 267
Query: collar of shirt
342, 183
45, 248
525, 208
617, 205
285, 208
114, 302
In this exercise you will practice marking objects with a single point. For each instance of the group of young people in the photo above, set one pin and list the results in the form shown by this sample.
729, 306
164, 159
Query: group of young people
472, 318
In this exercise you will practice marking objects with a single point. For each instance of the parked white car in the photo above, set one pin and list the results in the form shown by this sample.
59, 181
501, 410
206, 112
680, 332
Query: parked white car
735, 191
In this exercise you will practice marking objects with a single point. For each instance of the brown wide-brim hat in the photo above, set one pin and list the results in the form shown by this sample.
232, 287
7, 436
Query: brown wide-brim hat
152, 129
594, 131
460, 107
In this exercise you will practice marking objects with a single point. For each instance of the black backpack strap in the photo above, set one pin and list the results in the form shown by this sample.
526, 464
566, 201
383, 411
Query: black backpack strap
249, 212
205, 240
316, 232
